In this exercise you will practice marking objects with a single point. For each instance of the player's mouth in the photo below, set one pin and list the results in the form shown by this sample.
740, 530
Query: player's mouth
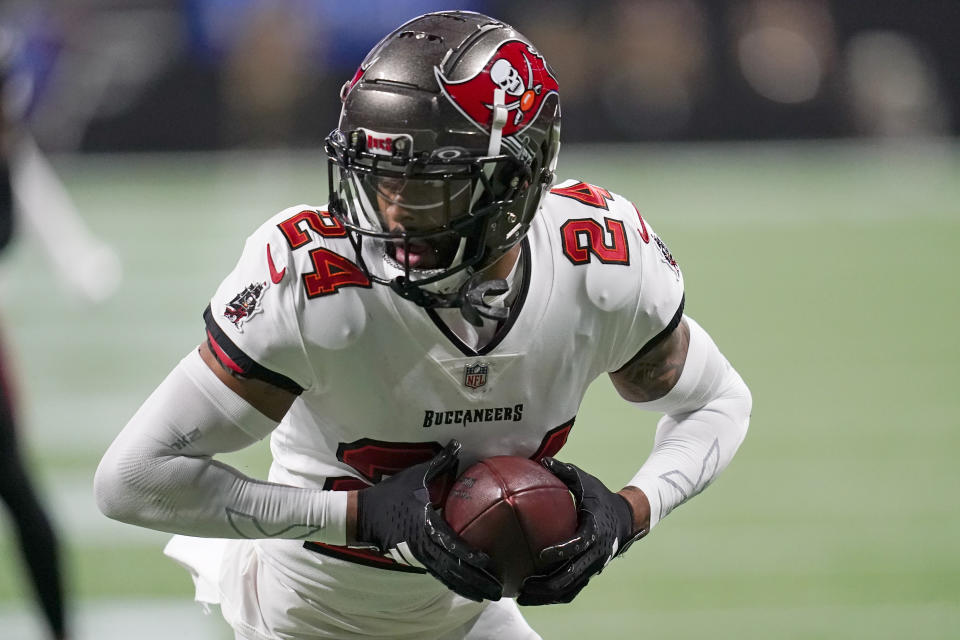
424, 254
417, 255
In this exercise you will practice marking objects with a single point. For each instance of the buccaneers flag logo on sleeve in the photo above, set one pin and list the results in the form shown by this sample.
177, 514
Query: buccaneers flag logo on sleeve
517, 69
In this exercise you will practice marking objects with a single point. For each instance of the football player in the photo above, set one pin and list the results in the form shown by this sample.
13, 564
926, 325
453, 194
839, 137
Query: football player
37, 539
452, 301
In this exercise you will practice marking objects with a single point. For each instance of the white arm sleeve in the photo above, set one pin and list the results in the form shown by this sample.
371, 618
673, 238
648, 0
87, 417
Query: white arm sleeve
159, 472
707, 414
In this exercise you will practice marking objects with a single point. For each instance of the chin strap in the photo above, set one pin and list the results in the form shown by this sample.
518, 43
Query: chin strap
470, 298
497, 122
474, 308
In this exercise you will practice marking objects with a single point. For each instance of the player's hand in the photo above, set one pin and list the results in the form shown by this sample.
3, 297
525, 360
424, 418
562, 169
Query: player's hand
397, 517
605, 530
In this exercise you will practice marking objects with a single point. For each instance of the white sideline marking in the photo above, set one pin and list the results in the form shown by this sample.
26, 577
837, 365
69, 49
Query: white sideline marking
73, 510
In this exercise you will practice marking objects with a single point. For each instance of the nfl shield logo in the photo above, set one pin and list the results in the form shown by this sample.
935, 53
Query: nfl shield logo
475, 375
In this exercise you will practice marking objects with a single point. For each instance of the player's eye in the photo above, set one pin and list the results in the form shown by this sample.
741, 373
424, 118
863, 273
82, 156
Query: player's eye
389, 186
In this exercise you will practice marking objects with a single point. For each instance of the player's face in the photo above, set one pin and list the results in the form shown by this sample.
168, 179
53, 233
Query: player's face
418, 206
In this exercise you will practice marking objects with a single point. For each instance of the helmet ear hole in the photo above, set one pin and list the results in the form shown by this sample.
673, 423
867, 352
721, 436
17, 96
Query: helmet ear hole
509, 175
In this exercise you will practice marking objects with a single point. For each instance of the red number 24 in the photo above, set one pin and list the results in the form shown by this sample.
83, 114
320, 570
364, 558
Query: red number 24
331, 271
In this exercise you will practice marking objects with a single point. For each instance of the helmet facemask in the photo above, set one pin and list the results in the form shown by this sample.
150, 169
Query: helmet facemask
421, 223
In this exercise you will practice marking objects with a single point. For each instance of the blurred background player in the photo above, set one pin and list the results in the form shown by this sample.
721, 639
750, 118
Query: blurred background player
38, 541
32, 196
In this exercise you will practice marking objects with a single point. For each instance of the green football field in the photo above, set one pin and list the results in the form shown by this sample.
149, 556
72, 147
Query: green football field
826, 273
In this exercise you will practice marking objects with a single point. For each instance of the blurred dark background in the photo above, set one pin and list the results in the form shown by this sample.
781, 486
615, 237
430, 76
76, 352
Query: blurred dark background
132, 75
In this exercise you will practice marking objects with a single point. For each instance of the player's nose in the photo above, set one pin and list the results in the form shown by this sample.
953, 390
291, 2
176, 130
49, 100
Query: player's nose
398, 217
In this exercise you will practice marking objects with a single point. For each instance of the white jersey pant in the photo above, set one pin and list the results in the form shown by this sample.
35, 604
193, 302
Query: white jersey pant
277, 590
498, 620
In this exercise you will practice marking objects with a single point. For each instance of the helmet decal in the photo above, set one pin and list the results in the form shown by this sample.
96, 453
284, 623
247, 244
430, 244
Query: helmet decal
514, 67
387, 144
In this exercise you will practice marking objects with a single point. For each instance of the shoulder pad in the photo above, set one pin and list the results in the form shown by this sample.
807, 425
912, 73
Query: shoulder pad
324, 277
334, 322
598, 237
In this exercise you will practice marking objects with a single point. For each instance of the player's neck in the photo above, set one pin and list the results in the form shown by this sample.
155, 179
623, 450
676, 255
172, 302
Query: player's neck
502, 267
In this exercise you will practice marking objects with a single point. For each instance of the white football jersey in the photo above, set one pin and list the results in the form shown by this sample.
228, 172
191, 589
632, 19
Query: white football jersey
384, 384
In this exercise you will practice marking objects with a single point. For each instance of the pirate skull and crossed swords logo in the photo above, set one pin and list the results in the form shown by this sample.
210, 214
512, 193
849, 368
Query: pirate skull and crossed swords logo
517, 69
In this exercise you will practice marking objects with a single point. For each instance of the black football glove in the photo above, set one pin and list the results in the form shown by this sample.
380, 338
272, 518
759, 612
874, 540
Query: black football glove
396, 516
605, 530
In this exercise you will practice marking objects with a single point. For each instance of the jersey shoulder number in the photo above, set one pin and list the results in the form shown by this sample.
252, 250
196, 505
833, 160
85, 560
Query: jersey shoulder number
263, 312
587, 235
331, 270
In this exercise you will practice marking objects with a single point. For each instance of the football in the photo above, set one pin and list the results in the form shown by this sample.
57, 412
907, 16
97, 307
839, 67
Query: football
511, 508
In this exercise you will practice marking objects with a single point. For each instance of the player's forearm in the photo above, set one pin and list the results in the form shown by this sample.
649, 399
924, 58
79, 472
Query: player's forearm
351, 522
690, 452
639, 506
201, 497
707, 416
159, 473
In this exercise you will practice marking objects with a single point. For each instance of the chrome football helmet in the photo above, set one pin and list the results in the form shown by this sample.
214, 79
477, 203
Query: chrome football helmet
446, 147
